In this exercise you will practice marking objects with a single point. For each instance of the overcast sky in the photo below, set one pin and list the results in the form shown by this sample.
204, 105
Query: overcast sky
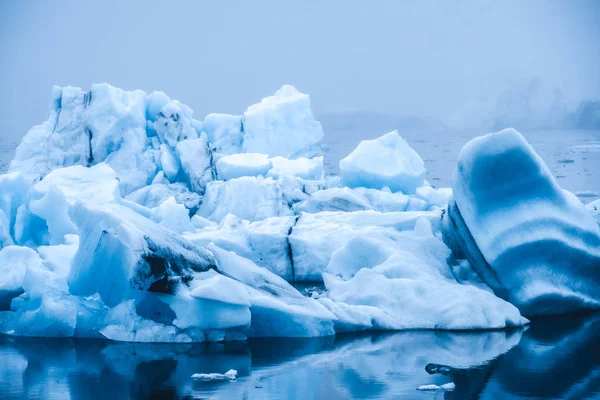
398, 57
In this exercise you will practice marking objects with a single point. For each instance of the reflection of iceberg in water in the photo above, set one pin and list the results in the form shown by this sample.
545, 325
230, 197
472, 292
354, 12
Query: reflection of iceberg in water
344, 366
498, 364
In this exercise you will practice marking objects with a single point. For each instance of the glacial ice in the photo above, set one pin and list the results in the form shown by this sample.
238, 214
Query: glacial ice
282, 125
534, 243
246, 164
387, 161
124, 217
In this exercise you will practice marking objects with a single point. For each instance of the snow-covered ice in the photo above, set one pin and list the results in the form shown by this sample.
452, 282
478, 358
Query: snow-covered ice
125, 217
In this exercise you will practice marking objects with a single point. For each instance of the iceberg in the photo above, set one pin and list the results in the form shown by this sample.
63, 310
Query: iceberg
387, 161
123, 217
532, 242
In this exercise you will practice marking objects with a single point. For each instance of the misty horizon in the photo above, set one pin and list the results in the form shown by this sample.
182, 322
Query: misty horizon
531, 64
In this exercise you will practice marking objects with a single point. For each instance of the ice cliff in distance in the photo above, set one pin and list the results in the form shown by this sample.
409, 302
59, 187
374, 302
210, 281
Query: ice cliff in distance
124, 217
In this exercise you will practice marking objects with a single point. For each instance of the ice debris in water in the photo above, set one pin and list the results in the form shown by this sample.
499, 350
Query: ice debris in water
230, 375
447, 387
125, 217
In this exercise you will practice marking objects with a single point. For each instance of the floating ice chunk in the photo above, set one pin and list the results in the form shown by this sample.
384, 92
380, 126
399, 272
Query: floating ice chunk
224, 133
230, 375
249, 198
447, 387
196, 163
587, 193
282, 125
305, 168
533, 243
247, 164
385, 161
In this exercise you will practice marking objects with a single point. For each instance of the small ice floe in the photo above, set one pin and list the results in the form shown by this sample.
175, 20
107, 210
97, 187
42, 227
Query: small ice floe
587, 193
230, 375
447, 387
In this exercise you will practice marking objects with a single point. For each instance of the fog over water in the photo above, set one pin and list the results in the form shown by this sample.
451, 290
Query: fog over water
487, 64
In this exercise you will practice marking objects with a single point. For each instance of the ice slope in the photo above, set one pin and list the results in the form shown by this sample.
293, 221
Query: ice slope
535, 244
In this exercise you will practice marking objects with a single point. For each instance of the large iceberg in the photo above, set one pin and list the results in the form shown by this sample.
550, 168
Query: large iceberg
534, 243
126, 218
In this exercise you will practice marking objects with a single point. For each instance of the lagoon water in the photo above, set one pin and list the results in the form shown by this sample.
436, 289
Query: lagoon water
553, 358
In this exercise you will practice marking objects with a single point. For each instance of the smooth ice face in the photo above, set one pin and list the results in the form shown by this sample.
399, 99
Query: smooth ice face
196, 163
535, 244
262, 198
282, 125
304, 168
246, 164
387, 161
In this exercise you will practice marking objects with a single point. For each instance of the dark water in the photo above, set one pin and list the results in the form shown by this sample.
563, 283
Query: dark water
552, 358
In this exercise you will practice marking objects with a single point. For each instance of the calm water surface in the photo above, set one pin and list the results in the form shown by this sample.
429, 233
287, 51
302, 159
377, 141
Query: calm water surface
555, 358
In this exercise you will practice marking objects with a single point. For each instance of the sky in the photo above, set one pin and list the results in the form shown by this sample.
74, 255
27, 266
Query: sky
417, 58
